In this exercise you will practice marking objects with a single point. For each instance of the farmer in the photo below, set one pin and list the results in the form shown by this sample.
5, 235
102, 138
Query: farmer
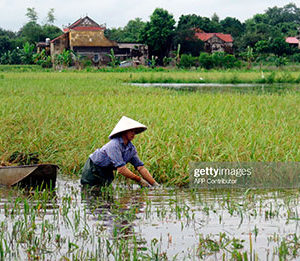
114, 155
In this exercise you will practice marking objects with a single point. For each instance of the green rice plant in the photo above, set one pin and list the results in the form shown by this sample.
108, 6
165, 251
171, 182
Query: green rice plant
271, 77
67, 117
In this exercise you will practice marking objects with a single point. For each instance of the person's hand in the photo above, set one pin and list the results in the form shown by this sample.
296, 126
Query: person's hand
144, 183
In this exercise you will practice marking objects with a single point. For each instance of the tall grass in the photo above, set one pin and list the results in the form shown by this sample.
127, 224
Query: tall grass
66, 116
230, 76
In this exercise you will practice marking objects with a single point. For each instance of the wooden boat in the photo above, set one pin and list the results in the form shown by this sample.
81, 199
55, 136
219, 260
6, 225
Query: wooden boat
42, 175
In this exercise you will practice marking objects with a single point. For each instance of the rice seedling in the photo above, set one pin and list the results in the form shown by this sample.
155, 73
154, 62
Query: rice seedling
78, 230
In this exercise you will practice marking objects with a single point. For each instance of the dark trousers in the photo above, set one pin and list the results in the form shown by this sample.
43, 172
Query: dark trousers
93, 175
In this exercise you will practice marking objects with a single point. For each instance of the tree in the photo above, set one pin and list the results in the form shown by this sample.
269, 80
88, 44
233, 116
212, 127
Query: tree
8, 41
256, 29
5, 44
188, 42
215, 18
232, 26
195, 21
11, 57
288, 29
133, 30
290, 13
32, 14
185, 32
276, 22
158, 33
31, 32
27, 53
115, 34
114, 61
249, 57
130, 33
50, 16
7, 33
50, 31
262, 47
279, 46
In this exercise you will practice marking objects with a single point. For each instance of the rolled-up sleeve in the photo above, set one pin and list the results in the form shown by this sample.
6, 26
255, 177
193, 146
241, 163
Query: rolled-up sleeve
135, 161
115, 155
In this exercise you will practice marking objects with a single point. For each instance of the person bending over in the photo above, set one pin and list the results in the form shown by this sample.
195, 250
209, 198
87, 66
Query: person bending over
114, 155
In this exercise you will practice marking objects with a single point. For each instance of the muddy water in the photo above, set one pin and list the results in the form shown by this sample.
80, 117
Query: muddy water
167, 223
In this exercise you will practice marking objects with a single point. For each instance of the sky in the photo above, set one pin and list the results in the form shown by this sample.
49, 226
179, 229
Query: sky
117, 13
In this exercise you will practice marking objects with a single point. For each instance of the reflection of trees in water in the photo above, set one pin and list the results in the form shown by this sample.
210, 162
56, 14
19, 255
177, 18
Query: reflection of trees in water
117, 211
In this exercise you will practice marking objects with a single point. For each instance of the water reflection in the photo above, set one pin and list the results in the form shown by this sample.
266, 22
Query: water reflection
167, 221
117, 214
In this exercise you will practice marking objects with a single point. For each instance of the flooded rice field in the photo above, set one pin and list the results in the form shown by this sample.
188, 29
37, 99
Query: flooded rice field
225, 87
129, 223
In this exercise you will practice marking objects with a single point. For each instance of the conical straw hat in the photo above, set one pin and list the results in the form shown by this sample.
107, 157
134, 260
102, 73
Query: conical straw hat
127, 124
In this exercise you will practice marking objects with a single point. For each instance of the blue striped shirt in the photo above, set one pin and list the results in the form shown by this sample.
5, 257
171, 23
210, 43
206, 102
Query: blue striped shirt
116, 154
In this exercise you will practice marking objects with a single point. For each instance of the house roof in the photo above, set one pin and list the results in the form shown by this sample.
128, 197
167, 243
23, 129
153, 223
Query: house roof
85, 28
84, 24
292, 40
58, 37
206, 36
42, 44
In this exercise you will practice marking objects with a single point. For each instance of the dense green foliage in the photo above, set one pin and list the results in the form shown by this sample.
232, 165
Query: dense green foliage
188, 42
158, 33
209, 61
130, 33
275, 22
272, 26
31, 33
264, 33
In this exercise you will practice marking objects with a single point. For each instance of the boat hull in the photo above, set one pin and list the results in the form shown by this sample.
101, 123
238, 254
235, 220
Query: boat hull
29, 175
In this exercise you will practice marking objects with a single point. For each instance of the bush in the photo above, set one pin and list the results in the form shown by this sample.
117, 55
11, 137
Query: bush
230, 61
64, 59
187, 61
47, 62
86, 62
42, 59
218, 60
295, 58
11, 57
281, 61
27, 53
205, 61
167, 61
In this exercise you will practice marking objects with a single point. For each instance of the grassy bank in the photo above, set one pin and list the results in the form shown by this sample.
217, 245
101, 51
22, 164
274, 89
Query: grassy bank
66, 116
269, 75
218, 77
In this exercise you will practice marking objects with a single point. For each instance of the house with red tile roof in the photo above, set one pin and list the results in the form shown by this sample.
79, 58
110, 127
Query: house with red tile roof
215, 42
294, 41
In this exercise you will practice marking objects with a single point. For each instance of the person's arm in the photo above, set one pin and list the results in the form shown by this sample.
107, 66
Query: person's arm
129, 174
139, 166
146, 175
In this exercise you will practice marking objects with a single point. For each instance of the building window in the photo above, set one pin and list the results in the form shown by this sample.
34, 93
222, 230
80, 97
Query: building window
96, 58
